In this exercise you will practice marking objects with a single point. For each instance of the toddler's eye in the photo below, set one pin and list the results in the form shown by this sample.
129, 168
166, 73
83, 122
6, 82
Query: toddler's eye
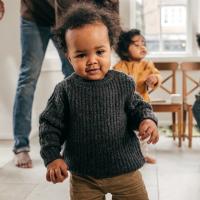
100, 52
136, 45
82, 55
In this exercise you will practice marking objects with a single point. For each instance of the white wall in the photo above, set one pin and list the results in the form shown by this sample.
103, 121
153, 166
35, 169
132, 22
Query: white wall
9, 61
124, 9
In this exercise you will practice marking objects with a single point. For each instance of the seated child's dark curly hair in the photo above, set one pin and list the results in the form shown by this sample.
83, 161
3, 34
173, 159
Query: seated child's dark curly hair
125, 39
81, 14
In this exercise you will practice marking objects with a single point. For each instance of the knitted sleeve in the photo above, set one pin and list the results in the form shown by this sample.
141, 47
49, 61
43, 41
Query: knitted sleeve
138, 110
52, 125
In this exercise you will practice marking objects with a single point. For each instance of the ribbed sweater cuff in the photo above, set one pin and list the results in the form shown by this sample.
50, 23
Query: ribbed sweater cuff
50, 154
149, 115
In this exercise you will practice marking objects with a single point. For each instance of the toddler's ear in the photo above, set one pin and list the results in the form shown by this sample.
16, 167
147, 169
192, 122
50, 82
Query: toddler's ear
67, 56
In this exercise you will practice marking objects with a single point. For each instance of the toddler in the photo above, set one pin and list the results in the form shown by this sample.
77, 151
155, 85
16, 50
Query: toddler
95, 112
131, 49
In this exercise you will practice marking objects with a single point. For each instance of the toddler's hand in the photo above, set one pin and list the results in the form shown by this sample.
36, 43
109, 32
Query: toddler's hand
57, 171
147, 129
151, 81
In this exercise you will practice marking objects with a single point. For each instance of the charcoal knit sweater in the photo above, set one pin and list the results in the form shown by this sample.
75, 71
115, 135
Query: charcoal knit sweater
96, 120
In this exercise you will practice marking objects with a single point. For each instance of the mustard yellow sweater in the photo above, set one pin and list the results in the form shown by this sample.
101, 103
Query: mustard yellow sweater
139, 71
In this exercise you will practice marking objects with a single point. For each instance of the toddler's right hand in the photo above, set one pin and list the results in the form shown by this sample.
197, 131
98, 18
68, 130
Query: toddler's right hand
57, 171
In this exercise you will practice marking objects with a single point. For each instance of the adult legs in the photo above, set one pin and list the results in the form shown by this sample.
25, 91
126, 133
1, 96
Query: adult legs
34, 41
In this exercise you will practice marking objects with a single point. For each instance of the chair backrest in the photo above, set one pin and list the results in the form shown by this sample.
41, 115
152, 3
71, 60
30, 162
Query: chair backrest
190, 75
170, 67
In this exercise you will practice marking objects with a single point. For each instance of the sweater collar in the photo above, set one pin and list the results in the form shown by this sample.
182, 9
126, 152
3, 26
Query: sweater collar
81, 81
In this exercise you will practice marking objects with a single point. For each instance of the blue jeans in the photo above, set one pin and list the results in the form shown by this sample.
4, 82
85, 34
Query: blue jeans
196, 111
34, 42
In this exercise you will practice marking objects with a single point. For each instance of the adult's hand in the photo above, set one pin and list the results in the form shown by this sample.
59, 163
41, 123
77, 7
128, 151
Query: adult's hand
2, 9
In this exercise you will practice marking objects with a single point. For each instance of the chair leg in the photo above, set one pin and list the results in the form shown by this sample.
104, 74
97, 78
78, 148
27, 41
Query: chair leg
174, 125
184, 123
179, 127
190, 125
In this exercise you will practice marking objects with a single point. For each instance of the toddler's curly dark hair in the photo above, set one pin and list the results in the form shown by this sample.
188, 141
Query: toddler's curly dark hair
81, 14
112, 5
125, 39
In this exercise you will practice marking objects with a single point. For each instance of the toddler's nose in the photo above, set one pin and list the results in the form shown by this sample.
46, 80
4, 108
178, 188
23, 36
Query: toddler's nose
91, 60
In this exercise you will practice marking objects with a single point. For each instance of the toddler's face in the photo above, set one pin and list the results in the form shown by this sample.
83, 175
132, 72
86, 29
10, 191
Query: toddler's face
89, 50
137, 49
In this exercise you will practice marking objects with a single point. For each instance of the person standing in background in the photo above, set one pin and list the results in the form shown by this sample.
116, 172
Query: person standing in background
37, 21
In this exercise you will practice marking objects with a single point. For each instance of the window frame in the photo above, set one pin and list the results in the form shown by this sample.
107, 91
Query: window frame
192, 51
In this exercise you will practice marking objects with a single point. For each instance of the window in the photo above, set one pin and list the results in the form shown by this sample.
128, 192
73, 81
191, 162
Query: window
164, 25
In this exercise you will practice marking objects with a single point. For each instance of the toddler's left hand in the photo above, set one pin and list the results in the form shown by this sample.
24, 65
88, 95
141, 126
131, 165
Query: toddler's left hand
151, 81
147, 129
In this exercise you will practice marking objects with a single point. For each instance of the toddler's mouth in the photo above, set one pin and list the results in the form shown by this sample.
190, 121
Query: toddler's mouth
92, 70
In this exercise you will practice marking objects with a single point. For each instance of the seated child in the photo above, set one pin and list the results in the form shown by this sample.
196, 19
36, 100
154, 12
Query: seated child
95, 112
131, 49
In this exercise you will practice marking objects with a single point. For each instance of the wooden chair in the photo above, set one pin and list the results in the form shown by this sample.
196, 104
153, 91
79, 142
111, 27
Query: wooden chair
190, 75
170, 69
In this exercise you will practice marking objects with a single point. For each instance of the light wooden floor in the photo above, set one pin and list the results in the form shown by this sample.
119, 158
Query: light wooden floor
176, 176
